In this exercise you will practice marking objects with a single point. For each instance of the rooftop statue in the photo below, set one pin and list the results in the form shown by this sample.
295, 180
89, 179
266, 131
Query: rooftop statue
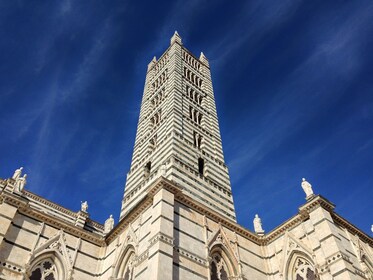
307, 187
20, 183
84, 206
17, 173
258, 227
109, 224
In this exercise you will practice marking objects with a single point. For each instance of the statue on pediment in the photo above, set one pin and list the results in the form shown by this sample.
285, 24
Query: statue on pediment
17, 173
258, 227
84, 206
20, 183
109, 224
307, 187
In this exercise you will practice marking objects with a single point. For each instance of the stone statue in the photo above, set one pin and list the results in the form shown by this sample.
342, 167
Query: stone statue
109, 224
20, 183
163, 170
307, 187
17, 173
258, 225
84, 206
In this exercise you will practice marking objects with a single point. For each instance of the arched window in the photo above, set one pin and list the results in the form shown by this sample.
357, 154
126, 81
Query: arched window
127, 266
44, 270
302, 269
219, 269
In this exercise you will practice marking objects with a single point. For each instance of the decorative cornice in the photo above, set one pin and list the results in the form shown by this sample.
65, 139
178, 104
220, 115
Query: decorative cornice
141, 206
162, 238
351, 228
316, 202
49, 203
61, 224
191, 256
23, 204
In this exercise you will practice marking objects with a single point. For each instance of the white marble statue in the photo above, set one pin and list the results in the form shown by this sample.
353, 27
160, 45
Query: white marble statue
20, 183
84, 206
163, 170
17, 173
258, 228
307, 187
109, 224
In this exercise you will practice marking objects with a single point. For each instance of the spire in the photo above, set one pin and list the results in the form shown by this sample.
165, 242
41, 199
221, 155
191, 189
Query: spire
176, 38
203, 59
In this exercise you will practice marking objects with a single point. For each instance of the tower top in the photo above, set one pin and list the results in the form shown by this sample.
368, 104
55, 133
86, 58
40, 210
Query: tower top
176, 38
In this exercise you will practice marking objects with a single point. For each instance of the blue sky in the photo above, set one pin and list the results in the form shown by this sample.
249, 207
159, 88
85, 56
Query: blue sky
293, 86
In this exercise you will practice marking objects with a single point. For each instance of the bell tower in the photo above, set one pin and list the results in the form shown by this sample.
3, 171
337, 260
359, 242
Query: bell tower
178, 133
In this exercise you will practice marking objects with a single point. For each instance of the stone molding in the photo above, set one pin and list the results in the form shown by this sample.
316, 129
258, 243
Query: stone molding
351, 228
191, 256
162, 238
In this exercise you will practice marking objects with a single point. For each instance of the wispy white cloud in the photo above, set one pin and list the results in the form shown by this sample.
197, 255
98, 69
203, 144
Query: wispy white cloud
338, 55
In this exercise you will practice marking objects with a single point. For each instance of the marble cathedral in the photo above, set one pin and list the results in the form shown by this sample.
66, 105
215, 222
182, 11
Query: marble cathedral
177, 219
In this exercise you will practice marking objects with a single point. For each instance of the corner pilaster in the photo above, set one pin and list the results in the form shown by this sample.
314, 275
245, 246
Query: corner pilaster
160, 260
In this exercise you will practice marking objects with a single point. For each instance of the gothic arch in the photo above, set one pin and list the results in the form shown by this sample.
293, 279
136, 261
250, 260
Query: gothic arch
300, 266
48, 265
222, 265
224, 262
125, 257
125, 264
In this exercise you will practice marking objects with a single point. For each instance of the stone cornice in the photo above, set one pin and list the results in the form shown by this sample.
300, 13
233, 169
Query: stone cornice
304, 210
315, 202
23, 206
61, 224
281, 229
160, 183
353, 229
140, 207
49, 203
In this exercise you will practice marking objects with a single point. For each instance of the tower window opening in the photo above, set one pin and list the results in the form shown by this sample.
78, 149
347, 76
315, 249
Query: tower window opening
147, 168
201, 165
197, 140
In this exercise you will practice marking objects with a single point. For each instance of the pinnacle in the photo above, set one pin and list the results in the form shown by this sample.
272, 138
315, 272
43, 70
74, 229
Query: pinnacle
176, 38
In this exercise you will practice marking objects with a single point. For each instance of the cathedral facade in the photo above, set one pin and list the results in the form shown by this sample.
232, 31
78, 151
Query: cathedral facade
177, 218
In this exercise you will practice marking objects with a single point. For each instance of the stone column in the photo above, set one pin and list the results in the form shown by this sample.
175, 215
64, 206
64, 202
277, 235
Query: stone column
160, 260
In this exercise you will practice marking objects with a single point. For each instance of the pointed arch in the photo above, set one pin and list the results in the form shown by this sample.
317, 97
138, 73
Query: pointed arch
222, 264
48, 265
300, 266
126, 256
125, 264
223, 259
55, 251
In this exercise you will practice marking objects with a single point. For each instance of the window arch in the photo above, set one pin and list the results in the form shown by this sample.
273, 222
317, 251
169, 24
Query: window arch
221, 266
44, 270
47, 266
301, 268
218, 268
127, 265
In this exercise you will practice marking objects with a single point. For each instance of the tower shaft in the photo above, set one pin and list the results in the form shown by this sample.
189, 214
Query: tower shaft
178, 133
